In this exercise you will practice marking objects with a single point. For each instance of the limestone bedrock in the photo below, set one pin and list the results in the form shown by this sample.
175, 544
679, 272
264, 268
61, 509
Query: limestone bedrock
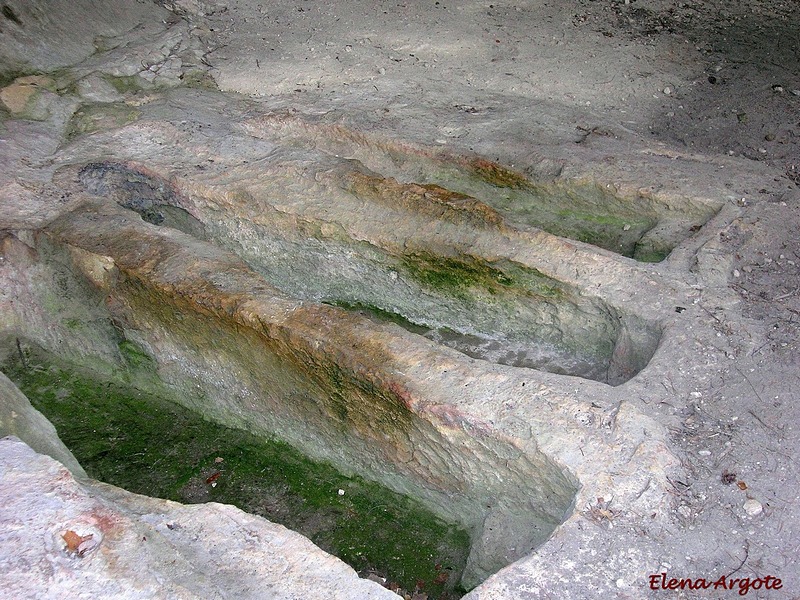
599, 319
140, 547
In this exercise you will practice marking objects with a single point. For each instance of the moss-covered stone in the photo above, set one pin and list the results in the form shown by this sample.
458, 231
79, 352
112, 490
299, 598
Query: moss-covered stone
135, 357
125, 84
8, 76
149, 445
379, 314
454, 275
581, 210
199, 79
466, 275
90, 118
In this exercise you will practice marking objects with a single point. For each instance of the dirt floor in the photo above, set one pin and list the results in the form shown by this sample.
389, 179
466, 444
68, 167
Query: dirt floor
713, 77
679, 97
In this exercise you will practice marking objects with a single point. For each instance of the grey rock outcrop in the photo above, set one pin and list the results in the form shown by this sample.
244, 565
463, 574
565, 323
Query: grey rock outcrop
64, 538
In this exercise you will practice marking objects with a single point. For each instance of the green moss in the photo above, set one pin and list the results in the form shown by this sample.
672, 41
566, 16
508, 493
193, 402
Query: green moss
8, 77
73, 324
379, 314
90, 118
135, 356
454, 274
148, 445
124, 84
607, 220
533, 282
598, 238
199, 79
651, 255
465, 276
583, 211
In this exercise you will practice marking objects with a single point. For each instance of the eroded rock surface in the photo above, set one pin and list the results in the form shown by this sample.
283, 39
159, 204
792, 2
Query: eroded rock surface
539, 319
62, 537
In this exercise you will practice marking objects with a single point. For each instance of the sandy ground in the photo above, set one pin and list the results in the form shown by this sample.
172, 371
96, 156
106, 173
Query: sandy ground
703, 83
713, 77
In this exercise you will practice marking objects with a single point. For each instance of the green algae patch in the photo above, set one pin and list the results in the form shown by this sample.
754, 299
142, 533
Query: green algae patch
455, 276
381, 315
90, 118
580, 210
149, 445
9, 76
652, 256
124, 84
200, 80
134, 356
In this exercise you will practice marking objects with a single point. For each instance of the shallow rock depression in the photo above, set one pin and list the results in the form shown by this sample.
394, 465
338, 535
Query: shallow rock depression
240, 265
523, 272
262, 289
228, 345
326, 244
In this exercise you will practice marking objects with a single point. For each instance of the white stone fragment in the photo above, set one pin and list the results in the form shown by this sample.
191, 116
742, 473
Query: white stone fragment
753, 507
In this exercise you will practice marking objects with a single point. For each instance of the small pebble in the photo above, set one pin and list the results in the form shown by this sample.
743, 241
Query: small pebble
667, 90
753, 507
796, 92
704, 452
341, 492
